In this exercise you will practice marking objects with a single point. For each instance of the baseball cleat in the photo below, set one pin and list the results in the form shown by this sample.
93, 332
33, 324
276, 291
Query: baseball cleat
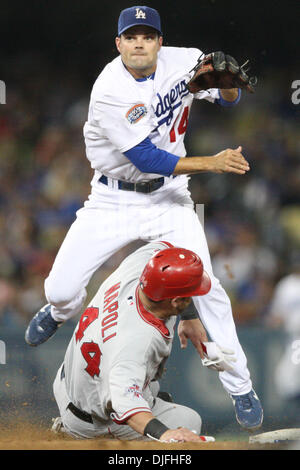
41, 327
57, 425
248, 410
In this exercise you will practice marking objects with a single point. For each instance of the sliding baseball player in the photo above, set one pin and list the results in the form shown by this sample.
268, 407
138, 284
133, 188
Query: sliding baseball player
107, 384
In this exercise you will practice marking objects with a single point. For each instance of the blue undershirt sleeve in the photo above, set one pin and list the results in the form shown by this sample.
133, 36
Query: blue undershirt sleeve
228, 104
150, 159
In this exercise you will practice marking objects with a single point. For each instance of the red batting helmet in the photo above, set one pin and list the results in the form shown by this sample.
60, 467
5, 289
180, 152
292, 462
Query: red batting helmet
174, 272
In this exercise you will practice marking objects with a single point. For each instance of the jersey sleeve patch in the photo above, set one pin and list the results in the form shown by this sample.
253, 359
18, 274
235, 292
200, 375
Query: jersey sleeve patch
133, 391
136, 113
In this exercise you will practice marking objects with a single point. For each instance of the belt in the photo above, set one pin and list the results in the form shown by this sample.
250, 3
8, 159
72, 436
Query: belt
143, 187
79, 413
76, 411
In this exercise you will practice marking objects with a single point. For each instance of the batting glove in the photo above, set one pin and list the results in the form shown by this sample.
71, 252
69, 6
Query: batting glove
216, 357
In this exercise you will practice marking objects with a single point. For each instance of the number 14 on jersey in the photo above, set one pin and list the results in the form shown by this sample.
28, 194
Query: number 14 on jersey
181, 127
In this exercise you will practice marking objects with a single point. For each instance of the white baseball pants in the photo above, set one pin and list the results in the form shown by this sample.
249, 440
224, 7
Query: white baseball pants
111, 219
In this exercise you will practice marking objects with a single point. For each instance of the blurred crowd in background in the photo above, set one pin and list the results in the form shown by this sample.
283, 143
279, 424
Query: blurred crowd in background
51, 54
252, 222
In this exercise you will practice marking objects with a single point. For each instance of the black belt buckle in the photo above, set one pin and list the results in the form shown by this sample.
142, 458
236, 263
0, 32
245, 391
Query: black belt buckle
149, 186
144, 187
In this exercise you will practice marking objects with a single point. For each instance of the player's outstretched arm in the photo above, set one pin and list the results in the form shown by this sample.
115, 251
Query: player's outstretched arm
148, 425
139, 421
227, 161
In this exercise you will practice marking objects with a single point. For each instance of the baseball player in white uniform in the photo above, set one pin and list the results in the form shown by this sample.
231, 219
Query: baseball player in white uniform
107, 384
134, 137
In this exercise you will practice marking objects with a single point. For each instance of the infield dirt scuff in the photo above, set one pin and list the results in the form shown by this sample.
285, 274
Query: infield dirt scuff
26, 436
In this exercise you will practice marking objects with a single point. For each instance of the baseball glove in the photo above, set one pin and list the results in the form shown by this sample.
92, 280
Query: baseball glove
219, 70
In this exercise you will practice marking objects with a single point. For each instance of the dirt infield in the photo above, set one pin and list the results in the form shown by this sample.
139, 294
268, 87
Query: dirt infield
24, 436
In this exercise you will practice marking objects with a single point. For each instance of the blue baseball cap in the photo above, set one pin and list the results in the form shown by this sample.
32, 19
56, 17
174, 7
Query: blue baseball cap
138, 16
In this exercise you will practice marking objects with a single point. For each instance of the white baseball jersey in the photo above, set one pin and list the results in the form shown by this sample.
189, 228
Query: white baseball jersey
124, 111
118, 347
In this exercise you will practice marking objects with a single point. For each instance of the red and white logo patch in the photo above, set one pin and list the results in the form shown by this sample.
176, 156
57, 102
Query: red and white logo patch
134, 391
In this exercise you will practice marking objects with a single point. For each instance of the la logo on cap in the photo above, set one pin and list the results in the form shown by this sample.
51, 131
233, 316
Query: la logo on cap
140, 14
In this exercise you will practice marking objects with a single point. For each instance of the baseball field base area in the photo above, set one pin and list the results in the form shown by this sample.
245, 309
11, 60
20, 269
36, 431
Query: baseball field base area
26, 436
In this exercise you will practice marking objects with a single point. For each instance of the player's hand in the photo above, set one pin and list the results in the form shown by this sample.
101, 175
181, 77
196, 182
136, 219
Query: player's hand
182, 435
194, 331
230, 161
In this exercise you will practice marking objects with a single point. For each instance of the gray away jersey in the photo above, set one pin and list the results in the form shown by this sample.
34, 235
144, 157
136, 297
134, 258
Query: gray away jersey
118, 347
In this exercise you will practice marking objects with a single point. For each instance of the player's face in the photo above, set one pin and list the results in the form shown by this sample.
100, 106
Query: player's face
138, 47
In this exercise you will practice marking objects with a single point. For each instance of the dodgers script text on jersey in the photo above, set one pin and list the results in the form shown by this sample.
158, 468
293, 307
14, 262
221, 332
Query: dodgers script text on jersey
158, 108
